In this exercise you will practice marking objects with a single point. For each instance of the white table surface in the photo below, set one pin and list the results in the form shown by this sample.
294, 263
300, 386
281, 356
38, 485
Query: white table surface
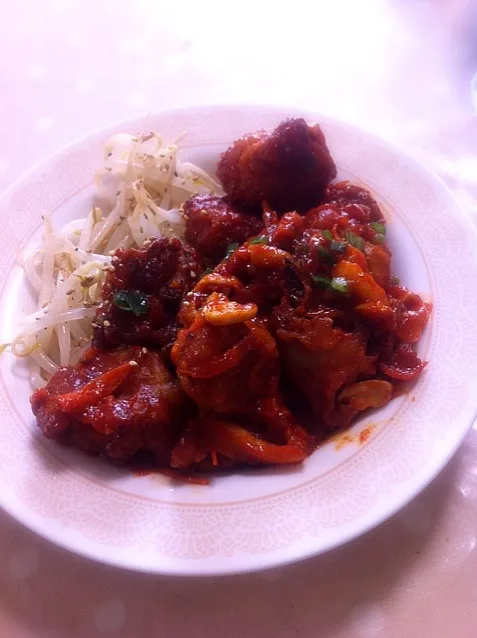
401, 69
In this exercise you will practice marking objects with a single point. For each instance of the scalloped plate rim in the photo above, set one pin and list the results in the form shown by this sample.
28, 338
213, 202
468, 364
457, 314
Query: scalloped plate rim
39, 524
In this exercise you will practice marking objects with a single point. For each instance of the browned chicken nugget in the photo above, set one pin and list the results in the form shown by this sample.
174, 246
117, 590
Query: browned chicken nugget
289, 168
213, 223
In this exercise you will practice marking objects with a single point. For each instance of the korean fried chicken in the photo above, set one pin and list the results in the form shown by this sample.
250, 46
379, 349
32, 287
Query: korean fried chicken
213, 223
289, 168
273, 322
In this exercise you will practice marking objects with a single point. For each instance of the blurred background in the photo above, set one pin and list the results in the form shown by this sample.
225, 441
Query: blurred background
401, 68
405, 70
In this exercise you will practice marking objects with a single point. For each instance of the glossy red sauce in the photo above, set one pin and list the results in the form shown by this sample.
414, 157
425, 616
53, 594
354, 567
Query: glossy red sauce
264, 333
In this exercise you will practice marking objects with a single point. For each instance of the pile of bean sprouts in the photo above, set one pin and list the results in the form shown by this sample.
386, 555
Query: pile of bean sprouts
143, 185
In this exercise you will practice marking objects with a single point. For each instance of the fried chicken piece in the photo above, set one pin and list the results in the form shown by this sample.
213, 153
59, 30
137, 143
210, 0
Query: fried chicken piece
227, 362
213, 223
289, 168
267, 273
320, 360
354, 200
142, 295
116, 403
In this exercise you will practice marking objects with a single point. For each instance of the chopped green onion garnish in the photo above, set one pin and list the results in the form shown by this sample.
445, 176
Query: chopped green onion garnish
321, 281
395, 281
339, 284
354, 240
231, 248
379, 239
131, 301
259, 240
327, 234
337, 246
207, 271
379, 227
325, 255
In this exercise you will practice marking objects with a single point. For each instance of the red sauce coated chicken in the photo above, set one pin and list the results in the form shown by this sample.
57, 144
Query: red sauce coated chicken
275, 323
122, 404
143, 293
213, 223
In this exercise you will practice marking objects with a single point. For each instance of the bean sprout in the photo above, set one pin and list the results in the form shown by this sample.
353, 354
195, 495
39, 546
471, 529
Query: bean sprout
144, 184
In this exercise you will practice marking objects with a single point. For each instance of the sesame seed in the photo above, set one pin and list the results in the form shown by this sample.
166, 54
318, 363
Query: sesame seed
192, 273
106, 323
133, 363
111, 253
111, 268
144, 350
94, 325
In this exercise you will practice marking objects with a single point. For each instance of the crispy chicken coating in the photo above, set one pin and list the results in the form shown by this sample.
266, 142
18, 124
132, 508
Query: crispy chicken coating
213, 223
289, 168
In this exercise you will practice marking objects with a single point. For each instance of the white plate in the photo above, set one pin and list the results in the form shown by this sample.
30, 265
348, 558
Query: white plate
253, 519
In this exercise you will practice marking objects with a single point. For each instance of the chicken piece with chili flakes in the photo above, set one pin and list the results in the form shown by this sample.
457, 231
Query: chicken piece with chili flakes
289, 167
117, 403
227, 362
354, 200
347, 207
226, 359
213, 223
143, 293
213, 282
266, 272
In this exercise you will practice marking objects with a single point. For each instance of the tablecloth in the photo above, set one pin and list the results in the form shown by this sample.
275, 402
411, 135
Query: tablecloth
403, 70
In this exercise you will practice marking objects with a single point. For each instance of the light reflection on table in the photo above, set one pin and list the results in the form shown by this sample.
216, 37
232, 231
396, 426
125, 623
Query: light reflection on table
403, 70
